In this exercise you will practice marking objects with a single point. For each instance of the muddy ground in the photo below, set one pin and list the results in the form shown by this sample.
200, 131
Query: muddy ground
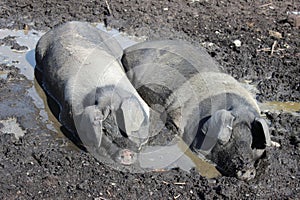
42, 165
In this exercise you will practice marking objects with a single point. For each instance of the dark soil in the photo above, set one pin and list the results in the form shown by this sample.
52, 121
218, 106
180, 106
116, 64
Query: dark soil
40, 166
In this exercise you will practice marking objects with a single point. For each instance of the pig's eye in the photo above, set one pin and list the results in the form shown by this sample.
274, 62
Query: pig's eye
230, 108
96, 102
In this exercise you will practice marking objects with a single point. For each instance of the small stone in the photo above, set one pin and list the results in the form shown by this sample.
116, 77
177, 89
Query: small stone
12, 126
250, 24
165, 9
212, 181
297, 21
294, 20
237, 43
286, 45
275, 34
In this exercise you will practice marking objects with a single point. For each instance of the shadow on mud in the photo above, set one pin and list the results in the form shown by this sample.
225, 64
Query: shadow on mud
55, 110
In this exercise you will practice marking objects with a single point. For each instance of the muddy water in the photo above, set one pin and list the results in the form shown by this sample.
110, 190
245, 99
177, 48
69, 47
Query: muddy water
25, 59
173, 156
153, 157
47, 116
292, 107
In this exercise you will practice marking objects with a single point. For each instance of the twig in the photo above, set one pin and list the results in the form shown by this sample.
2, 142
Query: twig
180, 183
108, 7
165, 182
264, 49
100, 198
108, 192
264, 5
159, 170
273, 47
269, 49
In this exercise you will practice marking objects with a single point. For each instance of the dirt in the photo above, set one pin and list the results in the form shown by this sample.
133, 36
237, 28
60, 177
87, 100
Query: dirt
42, 166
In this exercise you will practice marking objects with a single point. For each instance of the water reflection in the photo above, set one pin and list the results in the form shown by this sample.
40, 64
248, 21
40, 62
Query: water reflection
177, 155
30, 57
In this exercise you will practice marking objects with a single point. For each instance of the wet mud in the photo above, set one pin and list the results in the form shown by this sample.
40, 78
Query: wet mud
256, 42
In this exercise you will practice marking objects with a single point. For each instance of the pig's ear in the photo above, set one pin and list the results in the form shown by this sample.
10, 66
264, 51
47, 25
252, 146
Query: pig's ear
130, 117
218, 128
89, 127
260, 134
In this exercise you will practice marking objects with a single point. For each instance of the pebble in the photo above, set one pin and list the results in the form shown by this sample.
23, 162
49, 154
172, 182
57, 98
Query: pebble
275, 34
212, 181
294, 20
237, 43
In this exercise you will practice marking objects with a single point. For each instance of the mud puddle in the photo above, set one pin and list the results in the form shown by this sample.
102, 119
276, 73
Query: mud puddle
177, 155
291, 107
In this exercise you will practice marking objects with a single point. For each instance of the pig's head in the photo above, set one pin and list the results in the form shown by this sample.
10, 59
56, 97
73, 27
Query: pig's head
235, 140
